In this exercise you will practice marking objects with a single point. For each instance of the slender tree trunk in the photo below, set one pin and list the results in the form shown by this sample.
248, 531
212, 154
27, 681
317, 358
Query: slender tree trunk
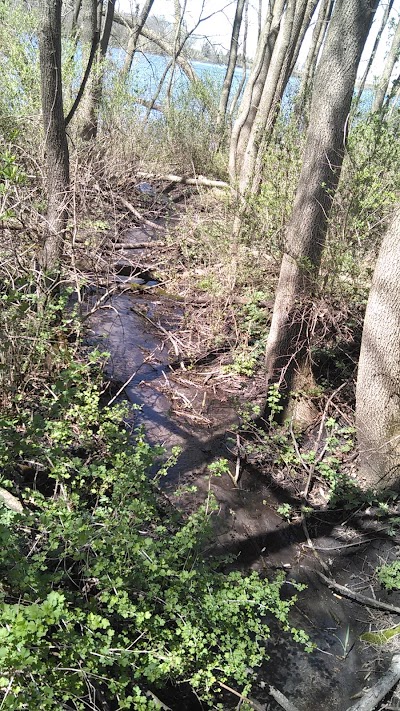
322, 162
297, 18
56, 146
94, 87
371, 58
252, 94
387, 71
378, 380
318, 35
90, 34
233, 52
244, 63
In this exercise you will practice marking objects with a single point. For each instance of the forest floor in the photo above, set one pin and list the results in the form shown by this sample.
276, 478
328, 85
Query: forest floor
191, 399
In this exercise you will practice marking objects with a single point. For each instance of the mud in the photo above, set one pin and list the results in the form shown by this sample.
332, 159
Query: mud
201, 422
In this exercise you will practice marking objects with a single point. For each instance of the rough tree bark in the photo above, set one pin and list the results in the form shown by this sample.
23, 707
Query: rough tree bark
391, 60
233, 52
133, 38
378, 380
371, 57
322, 162
55, 139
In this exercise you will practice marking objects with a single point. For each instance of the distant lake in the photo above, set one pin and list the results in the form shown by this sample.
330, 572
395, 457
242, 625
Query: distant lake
147, 71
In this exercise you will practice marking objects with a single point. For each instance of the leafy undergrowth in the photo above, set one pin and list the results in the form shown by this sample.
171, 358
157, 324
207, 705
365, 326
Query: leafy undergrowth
106, 596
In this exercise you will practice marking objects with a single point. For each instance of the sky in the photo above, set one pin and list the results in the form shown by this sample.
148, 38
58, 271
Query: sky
218, 28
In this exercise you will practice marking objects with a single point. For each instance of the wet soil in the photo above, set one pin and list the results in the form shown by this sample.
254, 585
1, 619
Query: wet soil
188, 409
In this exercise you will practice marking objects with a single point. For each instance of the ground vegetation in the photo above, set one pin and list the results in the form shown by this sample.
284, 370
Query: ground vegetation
113, 587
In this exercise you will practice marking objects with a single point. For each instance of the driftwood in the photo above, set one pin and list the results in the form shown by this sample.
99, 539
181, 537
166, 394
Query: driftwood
198, 180
378, 692
369, 601
10, 501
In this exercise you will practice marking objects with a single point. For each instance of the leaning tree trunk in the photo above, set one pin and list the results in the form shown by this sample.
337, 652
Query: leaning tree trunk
378, 380
322, 162
371, 57
387, 71
233, 52
56, 146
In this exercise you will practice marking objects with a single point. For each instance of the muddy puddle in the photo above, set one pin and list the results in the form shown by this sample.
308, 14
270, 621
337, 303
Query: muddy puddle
135, 327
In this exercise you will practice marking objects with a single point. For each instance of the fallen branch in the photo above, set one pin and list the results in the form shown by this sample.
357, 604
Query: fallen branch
369, 601
378, 692
198, 180
138, 216
282, 700
166, 333
242, 698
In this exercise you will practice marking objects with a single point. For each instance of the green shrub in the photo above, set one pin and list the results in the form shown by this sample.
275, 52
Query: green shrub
105, 589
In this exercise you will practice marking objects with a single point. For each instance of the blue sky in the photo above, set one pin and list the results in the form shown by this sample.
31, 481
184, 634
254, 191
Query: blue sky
219, 27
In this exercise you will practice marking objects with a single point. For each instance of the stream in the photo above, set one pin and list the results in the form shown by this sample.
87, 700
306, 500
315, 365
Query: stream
179, 410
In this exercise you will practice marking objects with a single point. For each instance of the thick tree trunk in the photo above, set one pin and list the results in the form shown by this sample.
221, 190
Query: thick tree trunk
56, 146
254, 88
371, 57
378, 380
233, 52
322, 162
387, 71
133, 38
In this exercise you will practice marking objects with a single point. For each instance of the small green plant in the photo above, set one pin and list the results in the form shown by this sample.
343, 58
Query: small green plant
274, 402
389, 575
285, 510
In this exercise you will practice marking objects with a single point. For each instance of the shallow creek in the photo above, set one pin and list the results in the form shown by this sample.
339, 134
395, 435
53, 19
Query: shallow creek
247, 523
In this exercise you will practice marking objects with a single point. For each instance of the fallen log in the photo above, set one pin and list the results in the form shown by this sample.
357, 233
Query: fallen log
198, 180
377, 693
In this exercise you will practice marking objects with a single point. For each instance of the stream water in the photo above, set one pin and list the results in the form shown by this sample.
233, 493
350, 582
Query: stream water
247, 523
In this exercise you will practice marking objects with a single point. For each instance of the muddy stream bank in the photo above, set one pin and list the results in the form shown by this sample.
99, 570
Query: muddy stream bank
189, 410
